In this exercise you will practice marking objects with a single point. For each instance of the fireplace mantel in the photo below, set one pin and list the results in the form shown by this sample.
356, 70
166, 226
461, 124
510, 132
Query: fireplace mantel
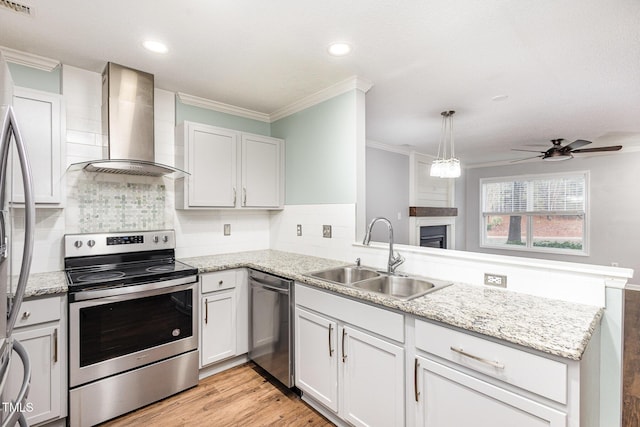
424, 211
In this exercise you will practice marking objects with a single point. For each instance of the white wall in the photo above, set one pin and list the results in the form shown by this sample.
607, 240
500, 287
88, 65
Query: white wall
388, 193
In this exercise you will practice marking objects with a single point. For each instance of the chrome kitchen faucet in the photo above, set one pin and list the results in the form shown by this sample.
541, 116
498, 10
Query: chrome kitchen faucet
394, 259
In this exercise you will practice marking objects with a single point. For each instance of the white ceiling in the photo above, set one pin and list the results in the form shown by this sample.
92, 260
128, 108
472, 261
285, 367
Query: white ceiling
570, 68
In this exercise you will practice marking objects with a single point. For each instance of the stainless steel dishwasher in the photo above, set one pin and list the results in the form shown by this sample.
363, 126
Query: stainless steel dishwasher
271, 332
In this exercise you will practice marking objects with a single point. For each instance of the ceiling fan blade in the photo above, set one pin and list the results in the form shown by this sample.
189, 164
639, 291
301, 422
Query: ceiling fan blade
528, 158
595, 150
576, 144
530, 151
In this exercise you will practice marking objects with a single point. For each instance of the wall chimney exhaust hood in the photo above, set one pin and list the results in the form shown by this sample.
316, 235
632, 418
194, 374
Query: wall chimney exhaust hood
127, 124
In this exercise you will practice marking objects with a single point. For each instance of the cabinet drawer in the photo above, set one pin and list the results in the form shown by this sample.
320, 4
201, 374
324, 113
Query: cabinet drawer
37, 311
531, 372
218, 281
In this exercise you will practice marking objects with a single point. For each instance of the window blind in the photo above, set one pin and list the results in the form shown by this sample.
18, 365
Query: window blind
558, 194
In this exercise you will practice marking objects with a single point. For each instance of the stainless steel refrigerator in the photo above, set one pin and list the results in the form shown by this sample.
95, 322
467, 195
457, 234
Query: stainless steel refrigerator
12, 145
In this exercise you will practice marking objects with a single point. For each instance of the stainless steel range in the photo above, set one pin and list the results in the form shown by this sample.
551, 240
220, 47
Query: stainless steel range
132, 323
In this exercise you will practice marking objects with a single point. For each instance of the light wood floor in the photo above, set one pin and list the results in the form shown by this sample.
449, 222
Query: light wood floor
241, 396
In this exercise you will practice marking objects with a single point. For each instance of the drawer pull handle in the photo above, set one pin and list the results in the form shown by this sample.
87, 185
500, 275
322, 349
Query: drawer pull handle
330, 349
344, 355
416, 366
495, 364
55, 345
26, 315
206, 311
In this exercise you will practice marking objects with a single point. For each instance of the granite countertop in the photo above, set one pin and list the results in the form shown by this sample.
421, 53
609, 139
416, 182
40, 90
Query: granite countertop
552, 326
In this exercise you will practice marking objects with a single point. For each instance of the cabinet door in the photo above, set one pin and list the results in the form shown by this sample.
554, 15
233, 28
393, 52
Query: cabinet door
447, 397
317, 357
38, 115
212, 165
262, 173
42, 345
218, 326
372, 380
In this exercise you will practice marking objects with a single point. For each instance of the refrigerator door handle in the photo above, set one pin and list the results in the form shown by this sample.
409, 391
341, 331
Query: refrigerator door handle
11, 127
13, 415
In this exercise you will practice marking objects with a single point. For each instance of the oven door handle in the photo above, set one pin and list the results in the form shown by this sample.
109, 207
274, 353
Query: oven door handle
130, 292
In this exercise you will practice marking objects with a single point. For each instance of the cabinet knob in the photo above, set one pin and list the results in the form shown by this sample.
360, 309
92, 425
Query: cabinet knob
26, 315
220, 282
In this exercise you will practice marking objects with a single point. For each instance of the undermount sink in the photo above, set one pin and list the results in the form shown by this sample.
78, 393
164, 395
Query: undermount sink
403, 288
398, 287
345, 275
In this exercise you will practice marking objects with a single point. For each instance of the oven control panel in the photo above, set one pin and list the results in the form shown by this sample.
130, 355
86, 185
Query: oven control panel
111, 243
125, 240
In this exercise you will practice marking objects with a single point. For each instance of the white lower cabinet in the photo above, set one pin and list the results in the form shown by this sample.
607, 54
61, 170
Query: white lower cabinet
316, 357
463, 379
41, 330
357, 375
219, 326
372, 380
224, 315
447, 397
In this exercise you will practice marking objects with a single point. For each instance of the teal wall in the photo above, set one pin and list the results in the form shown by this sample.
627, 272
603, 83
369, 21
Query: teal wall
191, 113
321, 152
47, 81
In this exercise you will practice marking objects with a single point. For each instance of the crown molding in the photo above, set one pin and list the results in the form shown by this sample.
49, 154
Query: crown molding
29, 59
221, 107
399, 149
339, 88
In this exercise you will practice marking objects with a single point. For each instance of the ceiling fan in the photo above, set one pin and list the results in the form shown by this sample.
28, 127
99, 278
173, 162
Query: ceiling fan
565, 152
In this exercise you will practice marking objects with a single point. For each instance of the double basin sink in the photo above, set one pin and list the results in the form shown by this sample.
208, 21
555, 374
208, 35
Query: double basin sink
399, 287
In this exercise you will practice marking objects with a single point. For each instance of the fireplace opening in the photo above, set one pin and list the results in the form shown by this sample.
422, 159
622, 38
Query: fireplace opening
433, 236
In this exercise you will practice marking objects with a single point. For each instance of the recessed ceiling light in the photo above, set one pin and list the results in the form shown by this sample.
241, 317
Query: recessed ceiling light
339, 49
500, 98
155, 46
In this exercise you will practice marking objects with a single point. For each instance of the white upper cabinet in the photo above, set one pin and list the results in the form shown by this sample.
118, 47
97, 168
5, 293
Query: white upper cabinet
262, 177
228, 169
39, 116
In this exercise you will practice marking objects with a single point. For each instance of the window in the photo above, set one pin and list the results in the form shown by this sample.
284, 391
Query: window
543, 213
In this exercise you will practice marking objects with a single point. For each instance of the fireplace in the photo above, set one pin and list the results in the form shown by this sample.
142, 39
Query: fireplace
433, 232
433, 236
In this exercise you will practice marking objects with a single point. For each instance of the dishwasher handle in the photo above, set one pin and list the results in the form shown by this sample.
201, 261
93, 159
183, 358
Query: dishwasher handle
271, 281
270, 287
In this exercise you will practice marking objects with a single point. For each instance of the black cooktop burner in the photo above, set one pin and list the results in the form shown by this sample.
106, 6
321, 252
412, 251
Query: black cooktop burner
100, 276
160, 268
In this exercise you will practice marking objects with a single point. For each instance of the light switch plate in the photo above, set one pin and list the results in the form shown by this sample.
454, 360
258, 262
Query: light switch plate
299, 230
227, 229
326, 231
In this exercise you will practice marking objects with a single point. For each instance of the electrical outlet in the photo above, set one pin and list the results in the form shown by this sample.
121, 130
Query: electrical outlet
227, 229
299, 230
495, 280
326, 231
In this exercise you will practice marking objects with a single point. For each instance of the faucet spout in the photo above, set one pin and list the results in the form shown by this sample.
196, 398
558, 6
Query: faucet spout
394, 259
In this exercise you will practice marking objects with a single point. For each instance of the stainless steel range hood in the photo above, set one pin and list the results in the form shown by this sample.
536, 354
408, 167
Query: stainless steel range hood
127, 124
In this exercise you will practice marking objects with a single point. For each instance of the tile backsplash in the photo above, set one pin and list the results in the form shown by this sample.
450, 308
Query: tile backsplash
117, 204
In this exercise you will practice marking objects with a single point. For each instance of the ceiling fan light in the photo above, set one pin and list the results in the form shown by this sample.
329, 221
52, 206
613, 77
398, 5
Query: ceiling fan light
558, 157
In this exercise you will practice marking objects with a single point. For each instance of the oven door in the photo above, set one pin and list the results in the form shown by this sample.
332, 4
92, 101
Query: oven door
117, 333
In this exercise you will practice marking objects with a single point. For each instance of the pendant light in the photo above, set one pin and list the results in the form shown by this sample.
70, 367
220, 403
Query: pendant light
446, 165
